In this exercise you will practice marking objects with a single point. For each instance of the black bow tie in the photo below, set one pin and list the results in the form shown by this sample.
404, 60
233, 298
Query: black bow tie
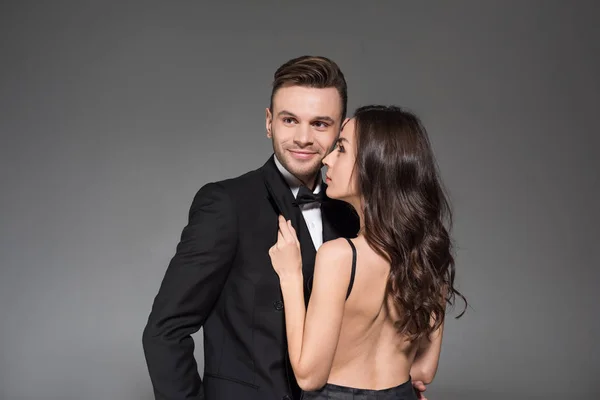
305, 196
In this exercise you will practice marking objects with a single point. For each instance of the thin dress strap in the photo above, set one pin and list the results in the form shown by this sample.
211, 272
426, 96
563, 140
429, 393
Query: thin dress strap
353, 268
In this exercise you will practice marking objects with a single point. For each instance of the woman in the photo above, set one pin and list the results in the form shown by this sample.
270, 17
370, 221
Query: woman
376, 312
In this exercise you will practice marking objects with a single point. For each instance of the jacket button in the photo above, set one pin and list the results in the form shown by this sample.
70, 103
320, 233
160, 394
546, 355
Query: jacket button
278, 305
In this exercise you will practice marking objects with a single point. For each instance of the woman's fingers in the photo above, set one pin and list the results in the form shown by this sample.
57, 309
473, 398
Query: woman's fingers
285, 230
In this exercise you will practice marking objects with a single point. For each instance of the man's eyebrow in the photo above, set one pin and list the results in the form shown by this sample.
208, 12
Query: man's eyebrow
284, 112
318, 118
325, 118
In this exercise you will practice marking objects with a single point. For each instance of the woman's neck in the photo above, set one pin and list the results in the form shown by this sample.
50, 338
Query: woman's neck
357, 204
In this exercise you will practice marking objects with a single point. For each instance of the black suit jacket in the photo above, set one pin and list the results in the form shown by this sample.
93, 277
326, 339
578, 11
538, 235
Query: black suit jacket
221, 278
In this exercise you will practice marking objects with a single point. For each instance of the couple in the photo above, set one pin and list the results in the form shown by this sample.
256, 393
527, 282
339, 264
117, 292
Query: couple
247, 261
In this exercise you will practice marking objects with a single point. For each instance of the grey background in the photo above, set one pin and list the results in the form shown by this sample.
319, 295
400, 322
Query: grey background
113, 114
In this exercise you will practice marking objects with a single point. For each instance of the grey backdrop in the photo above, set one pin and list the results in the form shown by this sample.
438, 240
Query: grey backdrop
114, 114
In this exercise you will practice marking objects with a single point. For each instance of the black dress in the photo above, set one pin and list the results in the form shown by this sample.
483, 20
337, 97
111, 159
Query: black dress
404, 391
330, 391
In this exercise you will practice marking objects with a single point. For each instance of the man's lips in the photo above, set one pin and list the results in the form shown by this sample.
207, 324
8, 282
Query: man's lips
302, 155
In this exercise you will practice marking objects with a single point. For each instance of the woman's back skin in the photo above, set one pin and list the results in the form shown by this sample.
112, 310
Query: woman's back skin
371, 354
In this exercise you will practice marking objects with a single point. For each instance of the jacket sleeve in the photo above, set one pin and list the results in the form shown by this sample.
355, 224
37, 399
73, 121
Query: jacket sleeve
191, 285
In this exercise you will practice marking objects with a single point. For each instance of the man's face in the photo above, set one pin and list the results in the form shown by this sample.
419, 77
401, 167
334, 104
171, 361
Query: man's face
304, 124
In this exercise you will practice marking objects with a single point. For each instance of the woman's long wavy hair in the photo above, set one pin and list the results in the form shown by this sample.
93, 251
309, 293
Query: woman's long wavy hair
407, 217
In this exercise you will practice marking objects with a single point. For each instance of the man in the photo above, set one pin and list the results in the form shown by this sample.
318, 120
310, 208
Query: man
221, 276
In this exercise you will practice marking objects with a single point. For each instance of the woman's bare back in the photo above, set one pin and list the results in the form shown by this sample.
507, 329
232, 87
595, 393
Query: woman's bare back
370, 353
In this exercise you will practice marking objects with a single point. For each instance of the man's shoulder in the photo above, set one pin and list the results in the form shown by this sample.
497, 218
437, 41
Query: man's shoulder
235, 187
242, 182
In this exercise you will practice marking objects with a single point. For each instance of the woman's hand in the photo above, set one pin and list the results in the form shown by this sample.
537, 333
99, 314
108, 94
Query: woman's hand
285, 254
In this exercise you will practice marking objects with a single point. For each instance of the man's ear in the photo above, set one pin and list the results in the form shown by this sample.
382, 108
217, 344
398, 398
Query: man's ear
269, 122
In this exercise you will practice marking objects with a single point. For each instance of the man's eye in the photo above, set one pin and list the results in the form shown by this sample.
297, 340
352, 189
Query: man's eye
288, 120
320, 124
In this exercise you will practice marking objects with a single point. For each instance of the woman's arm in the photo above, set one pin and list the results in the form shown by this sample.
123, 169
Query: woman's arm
313, 338
426, 361
312, 334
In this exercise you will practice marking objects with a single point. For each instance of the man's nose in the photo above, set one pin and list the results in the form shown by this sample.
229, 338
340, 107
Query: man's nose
304, 135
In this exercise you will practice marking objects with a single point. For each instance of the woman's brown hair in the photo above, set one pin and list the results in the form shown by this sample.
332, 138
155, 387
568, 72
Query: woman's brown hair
407, 217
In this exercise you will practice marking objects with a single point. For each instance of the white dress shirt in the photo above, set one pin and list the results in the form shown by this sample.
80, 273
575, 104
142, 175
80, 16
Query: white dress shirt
310, 212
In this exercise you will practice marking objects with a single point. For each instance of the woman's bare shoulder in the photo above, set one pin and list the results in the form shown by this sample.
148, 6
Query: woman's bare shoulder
335, 248
335, 252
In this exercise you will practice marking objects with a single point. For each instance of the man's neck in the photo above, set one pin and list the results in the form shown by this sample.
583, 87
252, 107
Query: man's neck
294, 182
310, 182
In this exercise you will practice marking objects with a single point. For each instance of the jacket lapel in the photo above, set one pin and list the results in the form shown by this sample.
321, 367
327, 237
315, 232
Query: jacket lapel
281, 198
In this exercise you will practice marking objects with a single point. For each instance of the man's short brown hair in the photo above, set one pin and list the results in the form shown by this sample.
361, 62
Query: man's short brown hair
311, 71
